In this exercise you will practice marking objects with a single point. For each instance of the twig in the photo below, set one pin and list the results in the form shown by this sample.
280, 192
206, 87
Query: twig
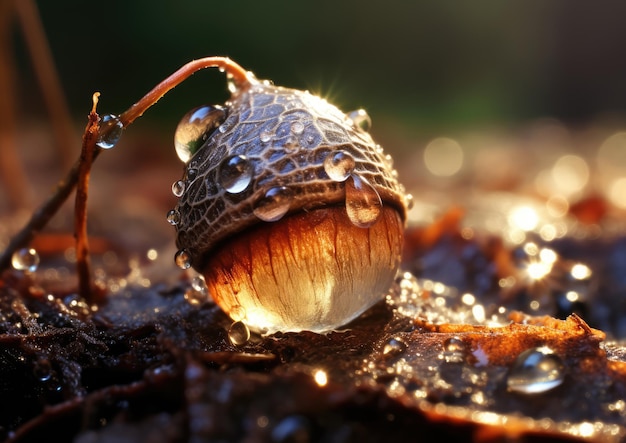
45, 70
41, 217
83, 262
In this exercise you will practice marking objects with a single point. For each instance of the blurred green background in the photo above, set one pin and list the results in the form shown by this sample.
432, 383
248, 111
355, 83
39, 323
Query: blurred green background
422, 64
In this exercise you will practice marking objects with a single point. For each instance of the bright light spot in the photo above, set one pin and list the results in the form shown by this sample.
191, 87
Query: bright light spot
524, 218
531, 248
534, 305
570, 173
547, 256
548, 232
478, 311
152, 254
439, 288
538, 270
585, 429
320, 377
617, 193
580, 271
443, 157
572, 296
468, 299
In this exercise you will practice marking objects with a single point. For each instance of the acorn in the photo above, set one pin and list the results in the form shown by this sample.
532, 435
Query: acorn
288, 208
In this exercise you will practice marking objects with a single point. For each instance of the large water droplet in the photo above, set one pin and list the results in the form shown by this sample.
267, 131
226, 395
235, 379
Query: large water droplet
455, 350
235, 174
394, 347
178, 188
110, 131
361, 119
183, 259
274, 204
26, 259
173, 217
339, 165
238, 333
363, 203
536, 370
194, 129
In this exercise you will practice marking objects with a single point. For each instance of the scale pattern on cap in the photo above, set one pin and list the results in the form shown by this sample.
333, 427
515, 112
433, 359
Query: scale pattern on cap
285, 135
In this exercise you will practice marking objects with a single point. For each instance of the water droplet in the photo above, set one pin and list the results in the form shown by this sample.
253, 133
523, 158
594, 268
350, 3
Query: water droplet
198, 283
363, 203
26, 259
536, 370
361, 119
339, 165
265, 136
194, 297
235, 174
178, 188
274, 204
110, 131
297, 128
410, 201
454, 350
238, 333
183, 259
195, 128
173, 217
394, 347
192, 173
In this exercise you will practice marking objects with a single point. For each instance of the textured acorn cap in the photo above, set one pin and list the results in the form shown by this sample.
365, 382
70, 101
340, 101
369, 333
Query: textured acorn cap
281, 138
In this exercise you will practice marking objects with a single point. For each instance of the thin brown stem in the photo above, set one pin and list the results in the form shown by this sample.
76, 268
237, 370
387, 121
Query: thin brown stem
45, 70
83, 261
237, 74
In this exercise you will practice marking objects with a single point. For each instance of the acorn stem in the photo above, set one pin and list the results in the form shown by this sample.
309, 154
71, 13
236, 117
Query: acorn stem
238, 75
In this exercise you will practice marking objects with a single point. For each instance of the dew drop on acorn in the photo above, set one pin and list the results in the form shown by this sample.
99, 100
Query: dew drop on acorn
274, 204
339, 165
235, 174
536, 370
361, 119
173, 217
265, 136
238, 333
363, 203
110, 131
297, 127
194, 128
178, 188
25, 259
454, 350
183, 259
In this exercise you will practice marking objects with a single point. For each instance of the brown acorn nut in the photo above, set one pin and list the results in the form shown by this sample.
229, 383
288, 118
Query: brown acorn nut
289, 209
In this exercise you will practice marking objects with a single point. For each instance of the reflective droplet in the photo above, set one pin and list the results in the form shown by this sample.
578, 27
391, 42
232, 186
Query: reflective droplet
394, 347
192, 173
195, 128
454, 350
297, 128
238, 333
198, 283
536, 370
173, 217
183, 259
339, 165
42, 370
26, 259
178, 188
274, 204
265, 136
194, 297
361, 119
235, 174
363, 203
110, 131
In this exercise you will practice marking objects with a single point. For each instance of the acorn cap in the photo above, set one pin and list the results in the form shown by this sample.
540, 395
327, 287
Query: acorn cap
281, 151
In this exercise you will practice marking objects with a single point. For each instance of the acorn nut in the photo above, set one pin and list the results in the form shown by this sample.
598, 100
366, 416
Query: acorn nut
289, 209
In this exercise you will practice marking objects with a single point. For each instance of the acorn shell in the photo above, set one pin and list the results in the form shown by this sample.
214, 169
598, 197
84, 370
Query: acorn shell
267, 160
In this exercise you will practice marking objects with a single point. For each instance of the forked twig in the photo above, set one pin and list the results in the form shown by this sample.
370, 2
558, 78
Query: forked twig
40, 218
89, 148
